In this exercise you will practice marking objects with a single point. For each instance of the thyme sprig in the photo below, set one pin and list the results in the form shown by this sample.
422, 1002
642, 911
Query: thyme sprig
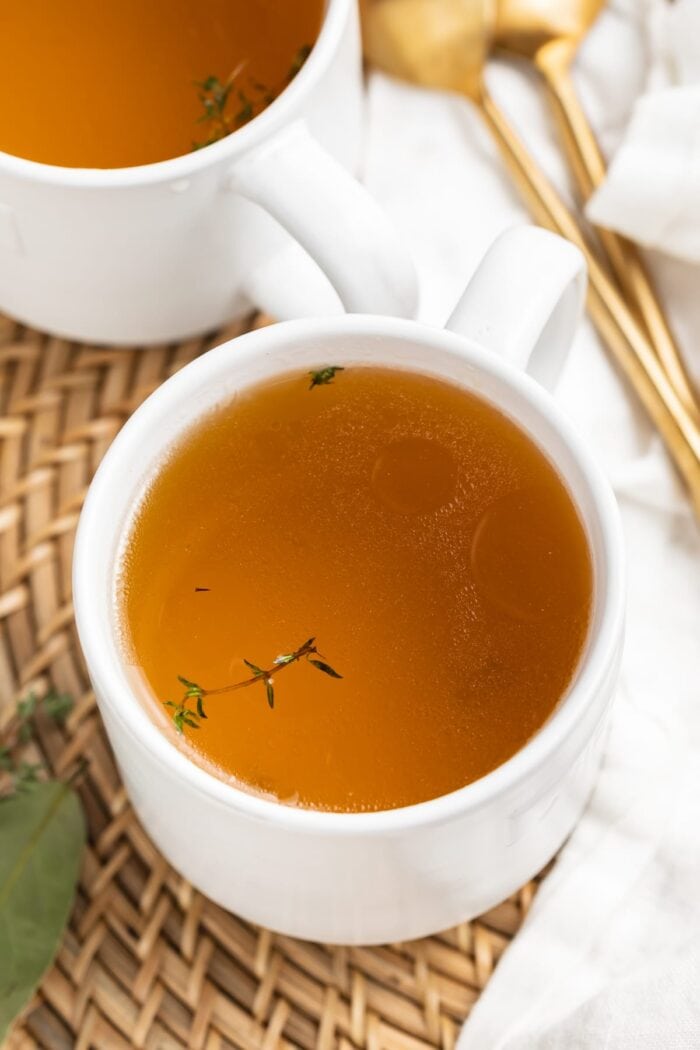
324, 375
215, 96
189, 710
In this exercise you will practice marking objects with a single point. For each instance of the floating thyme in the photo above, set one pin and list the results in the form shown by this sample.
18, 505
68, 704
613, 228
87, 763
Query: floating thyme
184, 714
324, 375
299, 60
214, 96
218, 98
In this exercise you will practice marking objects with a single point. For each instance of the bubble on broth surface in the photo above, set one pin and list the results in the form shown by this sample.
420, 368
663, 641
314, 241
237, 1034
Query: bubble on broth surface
414, 475
522, 580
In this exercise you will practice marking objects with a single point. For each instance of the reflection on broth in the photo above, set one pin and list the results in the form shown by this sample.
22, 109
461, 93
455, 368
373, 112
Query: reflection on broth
122, 82
416, 537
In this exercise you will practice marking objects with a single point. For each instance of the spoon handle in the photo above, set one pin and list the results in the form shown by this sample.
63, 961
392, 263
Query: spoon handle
618, 328
588, 167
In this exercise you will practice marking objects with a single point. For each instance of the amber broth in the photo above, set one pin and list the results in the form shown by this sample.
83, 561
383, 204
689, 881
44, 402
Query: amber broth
111, 83
415, 531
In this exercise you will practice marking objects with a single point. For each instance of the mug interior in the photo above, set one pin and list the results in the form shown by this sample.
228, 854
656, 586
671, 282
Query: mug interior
212, 380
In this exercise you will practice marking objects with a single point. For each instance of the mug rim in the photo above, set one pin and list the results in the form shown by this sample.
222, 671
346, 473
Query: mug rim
106, 669
187, 164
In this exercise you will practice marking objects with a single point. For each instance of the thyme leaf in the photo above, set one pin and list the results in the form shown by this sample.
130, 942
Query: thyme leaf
326, 668
324, 376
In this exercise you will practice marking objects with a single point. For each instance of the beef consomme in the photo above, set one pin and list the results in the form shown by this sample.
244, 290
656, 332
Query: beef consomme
355, 589
114, 83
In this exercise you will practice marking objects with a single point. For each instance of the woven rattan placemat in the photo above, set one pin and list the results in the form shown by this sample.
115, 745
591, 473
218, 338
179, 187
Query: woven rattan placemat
147, 961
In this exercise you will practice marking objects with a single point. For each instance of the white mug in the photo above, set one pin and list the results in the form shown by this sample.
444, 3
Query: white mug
268, 217
399, 874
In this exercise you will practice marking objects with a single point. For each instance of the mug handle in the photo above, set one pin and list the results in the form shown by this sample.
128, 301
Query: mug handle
335, 220
525, 301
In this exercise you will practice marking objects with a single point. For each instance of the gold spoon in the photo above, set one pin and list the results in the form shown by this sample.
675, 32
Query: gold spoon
548, 32
443, 44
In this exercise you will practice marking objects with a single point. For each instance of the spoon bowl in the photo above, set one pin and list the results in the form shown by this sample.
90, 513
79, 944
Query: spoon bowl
440, 44
525, 26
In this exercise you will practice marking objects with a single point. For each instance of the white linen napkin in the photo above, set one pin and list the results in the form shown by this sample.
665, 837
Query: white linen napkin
652, 192
609, 956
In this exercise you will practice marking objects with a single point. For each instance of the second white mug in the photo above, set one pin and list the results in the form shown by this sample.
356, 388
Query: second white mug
402, 873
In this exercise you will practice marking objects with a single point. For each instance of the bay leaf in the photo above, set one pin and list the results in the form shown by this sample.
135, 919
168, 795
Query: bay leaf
42, 832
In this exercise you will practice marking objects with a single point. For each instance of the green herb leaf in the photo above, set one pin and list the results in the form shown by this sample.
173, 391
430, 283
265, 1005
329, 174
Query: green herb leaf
326, 668
214, 94
42, 834
299, 60
26, 708
200, 708
245, 113
270, 693
285, 658
192, 689
256, 670
324, 375
58, 706
25, 732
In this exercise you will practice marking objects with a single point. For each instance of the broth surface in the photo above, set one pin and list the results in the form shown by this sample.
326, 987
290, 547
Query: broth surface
113, 83
416, 532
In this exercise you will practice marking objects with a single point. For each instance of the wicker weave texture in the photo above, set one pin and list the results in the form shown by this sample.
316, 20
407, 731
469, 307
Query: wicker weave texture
147, 961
